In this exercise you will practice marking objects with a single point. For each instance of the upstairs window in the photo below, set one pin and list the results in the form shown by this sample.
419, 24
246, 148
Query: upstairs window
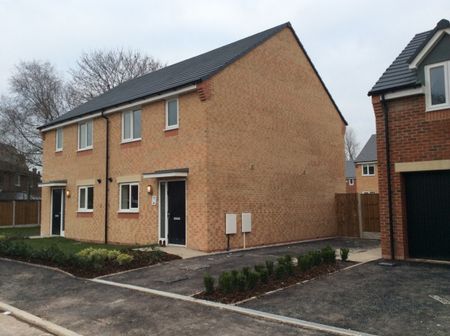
437, 86
59, 139
85, 135
368, 170
85, 199
131, 126
172, 114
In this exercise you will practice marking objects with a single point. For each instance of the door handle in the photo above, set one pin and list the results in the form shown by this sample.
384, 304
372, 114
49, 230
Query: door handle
56, 215
177, 218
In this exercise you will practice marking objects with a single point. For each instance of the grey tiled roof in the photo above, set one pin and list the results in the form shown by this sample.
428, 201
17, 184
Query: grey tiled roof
369, 152
398, 75
184, 73
350, 169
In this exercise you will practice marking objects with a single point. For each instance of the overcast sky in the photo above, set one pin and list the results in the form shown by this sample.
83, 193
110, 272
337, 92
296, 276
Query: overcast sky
351, 42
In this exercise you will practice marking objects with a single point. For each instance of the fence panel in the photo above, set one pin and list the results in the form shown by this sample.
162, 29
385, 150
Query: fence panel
347, 214
19, 213
370, 212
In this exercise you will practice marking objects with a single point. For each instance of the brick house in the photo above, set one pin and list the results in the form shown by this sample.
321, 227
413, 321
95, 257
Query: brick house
246, 134
17, 182
350, 176
366, 168
411, 101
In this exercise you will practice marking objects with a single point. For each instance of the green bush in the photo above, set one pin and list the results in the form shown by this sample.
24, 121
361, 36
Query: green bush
208, 281
344, 253
305, 262
264, 275
280, 271
252, 280
226, 282
246, 271
234, 279
269, 267
124, 259
258, 268
328, 255
241, 282
316, 257
2, 237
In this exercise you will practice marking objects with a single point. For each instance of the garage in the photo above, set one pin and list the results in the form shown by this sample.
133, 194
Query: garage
428, 214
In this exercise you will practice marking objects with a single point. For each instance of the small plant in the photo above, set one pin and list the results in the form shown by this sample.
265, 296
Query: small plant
241, 282
226, 282
305, 262
344, 253
258, 268
124, 259
280, 271
328, 255
269, 267
315, 258
209, 281
252, 280
264, 275
246, 271
234, 279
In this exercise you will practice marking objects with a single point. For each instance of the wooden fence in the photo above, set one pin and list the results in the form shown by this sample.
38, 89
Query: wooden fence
358, 215
14, 213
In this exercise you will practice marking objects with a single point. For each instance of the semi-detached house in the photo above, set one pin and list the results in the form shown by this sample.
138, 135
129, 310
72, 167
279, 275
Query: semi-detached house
246, 134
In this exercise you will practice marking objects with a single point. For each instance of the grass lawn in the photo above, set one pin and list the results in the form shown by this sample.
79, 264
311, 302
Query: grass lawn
68, 246
20, 231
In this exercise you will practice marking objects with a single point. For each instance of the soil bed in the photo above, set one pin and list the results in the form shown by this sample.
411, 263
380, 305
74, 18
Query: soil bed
275, 283
140, 259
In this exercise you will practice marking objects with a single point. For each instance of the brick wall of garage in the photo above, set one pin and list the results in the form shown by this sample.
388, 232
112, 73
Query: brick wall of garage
415, 135
275, 148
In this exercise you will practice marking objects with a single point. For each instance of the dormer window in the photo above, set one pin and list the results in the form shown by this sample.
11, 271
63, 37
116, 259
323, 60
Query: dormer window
437, 86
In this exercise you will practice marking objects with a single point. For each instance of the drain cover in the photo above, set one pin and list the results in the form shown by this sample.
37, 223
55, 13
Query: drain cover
440, 299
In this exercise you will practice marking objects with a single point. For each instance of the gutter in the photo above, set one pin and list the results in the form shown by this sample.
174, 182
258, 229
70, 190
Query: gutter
388, 171
107, 178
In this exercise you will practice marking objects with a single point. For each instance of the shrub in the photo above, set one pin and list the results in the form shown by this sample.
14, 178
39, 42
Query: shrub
328, 255
234, 279
264, 275
269, 267
252, 280
305, 262
344, 253
241, 282
259, 268
225, 282
315, 257
246, 271
208, 281
2, 237
124, 259
280, 271
52, 253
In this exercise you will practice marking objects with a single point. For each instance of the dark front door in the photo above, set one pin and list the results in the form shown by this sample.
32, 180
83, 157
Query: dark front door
57, 211
176, 212
428, 214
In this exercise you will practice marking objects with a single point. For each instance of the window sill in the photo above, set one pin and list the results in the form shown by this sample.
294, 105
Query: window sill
437, 108
127, 211
368, 175
85, 149
130, 140
171, 128
58, 150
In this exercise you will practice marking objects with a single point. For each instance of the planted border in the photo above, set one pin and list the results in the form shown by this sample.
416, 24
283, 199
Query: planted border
237, 285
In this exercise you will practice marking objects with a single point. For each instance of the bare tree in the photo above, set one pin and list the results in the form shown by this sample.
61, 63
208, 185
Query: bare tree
37, 96
99, 71
351, 144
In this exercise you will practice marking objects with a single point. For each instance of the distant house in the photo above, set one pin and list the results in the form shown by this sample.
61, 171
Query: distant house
350, 177
411, 101
367, 168
17, 182
244, 139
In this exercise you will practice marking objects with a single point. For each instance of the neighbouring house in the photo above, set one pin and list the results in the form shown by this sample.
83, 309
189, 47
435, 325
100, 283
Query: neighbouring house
17, 182
367, 168
411, 101
244, 138
350, 177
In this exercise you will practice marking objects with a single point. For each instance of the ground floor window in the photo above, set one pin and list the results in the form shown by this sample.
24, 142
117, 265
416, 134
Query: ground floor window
129, 197
85, 198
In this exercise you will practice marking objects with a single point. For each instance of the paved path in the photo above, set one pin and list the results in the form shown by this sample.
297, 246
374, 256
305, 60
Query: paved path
9, 326
186, 276
371, 298
95, 309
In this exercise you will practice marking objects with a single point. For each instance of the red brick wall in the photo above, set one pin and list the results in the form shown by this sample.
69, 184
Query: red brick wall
415, 135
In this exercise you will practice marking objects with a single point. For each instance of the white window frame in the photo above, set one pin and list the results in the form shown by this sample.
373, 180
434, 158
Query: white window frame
351, 181
429, 106
131, 210
59, 146
17, 181
368, 165
131, 139
171, 127
79, 135
84, 207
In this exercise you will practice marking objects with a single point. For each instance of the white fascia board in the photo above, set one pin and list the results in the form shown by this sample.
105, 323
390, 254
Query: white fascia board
165, 175
425, 50
52, 184
405, 93
124, 107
